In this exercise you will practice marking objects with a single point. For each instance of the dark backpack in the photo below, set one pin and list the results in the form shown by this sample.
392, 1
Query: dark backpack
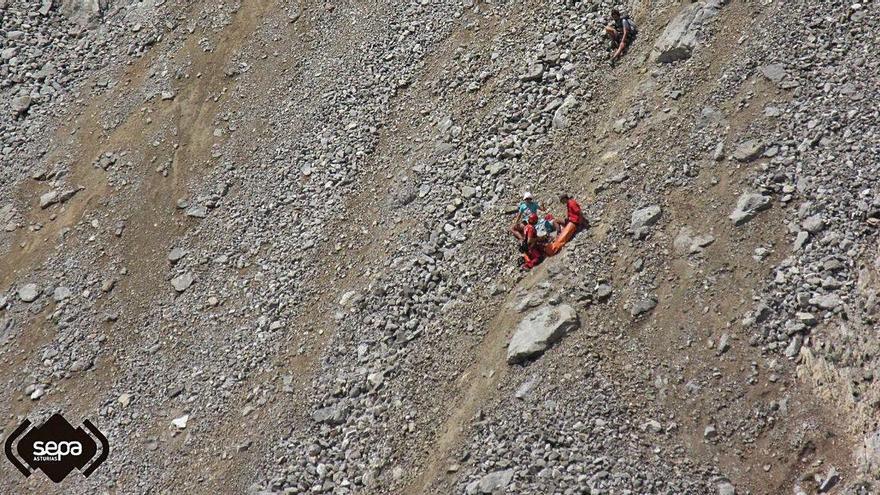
630, 25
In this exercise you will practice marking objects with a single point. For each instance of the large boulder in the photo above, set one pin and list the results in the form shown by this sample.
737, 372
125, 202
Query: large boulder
84, 11
682, 35
539, 330
747, 206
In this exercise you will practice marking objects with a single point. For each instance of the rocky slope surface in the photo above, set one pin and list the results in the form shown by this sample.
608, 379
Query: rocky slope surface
264, 245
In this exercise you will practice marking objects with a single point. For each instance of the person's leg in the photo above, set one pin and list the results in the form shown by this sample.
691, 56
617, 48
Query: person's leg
559, 224
517, 231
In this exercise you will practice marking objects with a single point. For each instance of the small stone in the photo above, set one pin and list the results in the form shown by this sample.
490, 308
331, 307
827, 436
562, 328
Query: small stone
813, 224
197, 211
21, 104
61, 293
28, 293
794, 346
827, 301
748, 151
37, 393
495, 482
182, 282
774, 72
176, 254
725, 487
603, 292
710, 432
800, 240
642, 306
124, 400
333, 415
653, 426
48, 199
181, 421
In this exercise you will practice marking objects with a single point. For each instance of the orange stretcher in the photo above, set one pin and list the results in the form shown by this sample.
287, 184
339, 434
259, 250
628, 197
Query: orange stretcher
564, 236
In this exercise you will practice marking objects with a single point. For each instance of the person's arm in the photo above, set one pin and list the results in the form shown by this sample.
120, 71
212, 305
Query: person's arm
622, 45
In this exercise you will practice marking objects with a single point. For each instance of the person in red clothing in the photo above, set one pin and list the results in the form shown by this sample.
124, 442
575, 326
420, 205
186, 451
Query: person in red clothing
534, 254
573, 213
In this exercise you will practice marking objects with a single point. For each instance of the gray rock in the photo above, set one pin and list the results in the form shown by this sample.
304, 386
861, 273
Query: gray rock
84, 11
48, 199
681, 36
494, 483
686, 242
827, 301
525, 388
182, 282
723, 344
534, 74
539, 330
21, 104
774, 72
710, 432
725, 487
28, 293
813, 224
794, 346
748, 150
60, 294
800, 240
176, 254
748, 206
197, 211
332, 415
642, 306
560, 117
603, 292
643, 218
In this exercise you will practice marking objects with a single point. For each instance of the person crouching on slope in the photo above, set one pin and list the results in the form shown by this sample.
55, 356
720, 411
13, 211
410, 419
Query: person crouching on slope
527, 207
573, 213
534, 254
622, 32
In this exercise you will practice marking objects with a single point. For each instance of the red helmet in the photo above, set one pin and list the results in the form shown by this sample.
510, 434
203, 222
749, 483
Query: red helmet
533, 218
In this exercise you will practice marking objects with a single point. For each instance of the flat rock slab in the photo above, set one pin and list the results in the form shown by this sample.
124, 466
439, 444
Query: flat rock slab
539, 330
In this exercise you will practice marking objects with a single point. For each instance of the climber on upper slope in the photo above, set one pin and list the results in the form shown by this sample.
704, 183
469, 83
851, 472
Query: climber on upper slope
622, 31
